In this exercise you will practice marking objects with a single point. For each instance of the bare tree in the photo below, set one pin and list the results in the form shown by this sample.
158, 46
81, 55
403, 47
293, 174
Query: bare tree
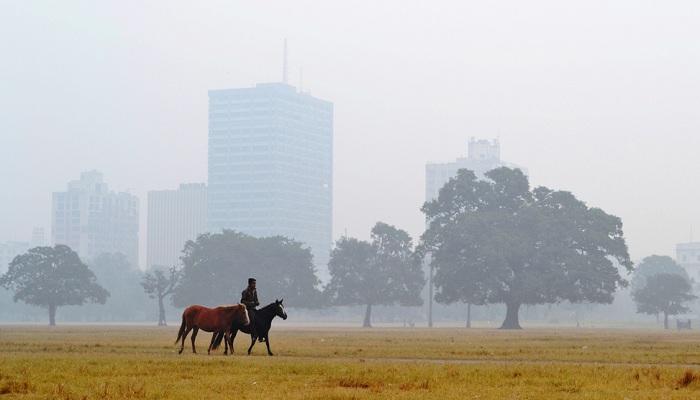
158, 285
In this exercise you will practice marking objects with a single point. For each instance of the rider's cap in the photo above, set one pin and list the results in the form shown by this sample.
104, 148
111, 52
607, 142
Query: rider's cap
251, 280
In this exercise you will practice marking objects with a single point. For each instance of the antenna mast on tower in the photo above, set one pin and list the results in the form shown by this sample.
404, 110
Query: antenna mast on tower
284, 64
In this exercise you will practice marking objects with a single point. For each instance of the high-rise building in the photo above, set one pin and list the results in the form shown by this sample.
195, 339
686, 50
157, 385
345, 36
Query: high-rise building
92, 220
688, 256
174, 217
482, 156
271, 165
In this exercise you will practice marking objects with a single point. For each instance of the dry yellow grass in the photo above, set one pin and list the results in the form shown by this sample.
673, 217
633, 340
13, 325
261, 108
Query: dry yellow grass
128, 362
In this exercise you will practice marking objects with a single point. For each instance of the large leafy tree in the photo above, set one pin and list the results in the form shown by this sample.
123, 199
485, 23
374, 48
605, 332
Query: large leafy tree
654, 265
382, 272
664, 293
495, 240
52, 277
158, 284
216, 267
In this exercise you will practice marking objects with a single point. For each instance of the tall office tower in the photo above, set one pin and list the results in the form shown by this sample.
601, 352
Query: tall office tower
174, 217
482, 156
688, 256
92, 220
271, 165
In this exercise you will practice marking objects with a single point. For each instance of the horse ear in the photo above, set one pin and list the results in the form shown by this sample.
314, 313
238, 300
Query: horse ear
281, 301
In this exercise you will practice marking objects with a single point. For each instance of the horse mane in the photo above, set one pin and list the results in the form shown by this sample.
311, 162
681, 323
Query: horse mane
267, 307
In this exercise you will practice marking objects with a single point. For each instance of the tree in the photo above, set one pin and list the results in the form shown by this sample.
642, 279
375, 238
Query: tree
217, 266
654, 265
495, 240
158, 285
115, 273
52, 277
383, 272
664, 293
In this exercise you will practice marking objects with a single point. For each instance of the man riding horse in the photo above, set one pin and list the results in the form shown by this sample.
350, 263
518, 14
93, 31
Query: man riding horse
249, 297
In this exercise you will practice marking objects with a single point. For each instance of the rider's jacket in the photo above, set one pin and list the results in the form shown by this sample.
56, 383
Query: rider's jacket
249, 297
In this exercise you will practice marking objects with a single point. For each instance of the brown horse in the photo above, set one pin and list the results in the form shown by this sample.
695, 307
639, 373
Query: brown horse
219, 319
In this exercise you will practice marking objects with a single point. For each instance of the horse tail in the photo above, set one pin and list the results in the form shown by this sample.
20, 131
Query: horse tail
182, 329
219, 336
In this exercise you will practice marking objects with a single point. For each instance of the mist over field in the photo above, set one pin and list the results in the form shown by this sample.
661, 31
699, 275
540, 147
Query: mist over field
128, 129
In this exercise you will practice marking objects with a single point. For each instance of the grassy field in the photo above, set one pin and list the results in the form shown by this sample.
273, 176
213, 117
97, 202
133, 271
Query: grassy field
142, 363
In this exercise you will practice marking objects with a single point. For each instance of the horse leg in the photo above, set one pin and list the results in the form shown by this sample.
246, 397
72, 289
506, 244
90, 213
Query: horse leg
267, 342
226, 343
252, 343
211, 343
184, 336
194, 336
231, 337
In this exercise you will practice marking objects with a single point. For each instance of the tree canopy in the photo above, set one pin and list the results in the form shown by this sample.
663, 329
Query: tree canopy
381, 272
52, 277
664, 293
654, 265
216, 267
495, 240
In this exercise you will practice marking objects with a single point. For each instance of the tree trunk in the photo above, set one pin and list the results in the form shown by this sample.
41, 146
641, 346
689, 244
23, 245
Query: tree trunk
368, 316
511, 321
665, 320
52, 315
161, 312
469, 315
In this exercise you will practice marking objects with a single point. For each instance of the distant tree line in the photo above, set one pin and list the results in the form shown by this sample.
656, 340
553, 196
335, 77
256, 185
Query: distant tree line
490, 240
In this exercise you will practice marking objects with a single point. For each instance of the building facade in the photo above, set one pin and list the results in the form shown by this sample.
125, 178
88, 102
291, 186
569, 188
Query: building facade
271, 165
688, 256
174, 217
91, 219
482, 156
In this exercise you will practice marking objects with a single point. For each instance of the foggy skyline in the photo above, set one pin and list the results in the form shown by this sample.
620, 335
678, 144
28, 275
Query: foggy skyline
594, 97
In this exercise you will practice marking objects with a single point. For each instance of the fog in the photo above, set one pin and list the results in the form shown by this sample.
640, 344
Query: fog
597, 97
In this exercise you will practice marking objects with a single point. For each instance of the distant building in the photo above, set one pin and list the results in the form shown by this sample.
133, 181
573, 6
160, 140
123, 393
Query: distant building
10, 250
482, 156
38, 237
271, 165
174, 217
688, 256
93, 220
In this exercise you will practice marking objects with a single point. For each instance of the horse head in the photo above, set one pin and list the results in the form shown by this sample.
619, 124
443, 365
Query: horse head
279, 309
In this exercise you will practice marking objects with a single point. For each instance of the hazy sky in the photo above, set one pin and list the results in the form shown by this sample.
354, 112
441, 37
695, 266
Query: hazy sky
598, 97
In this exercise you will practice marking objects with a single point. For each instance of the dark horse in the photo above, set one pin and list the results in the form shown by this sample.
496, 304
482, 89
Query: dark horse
262, 320
219, 319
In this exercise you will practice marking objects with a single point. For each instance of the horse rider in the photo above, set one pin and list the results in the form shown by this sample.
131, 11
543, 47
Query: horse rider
249, 297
